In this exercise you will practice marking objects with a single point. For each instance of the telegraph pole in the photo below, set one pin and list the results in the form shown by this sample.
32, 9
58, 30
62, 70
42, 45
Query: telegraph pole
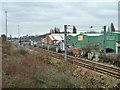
65, 28
119, 54
104, 43
119, 29
18, 32
33, 43
11, 38
6, 23
19, 39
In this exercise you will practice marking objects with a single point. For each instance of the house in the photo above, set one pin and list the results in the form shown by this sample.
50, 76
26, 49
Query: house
55, 38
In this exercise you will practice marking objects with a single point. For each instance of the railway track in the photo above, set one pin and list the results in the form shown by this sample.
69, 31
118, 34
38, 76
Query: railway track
95, 66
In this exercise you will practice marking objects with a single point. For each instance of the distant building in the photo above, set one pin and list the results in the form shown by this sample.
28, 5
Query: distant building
84, 40
53, 38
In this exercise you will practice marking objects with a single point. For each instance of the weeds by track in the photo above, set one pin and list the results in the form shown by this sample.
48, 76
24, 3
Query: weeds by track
95, 66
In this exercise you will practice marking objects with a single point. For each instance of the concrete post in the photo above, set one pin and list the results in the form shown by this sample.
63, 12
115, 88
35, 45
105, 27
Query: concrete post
6, 24
65, 28
104, 43
119, 53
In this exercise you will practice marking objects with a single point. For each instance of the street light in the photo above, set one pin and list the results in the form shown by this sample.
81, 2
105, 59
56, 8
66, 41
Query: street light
91, 28
6, 23
18, 32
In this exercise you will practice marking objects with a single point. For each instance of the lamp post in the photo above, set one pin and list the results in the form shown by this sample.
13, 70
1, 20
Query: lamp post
18, 32
91, 28
6, 23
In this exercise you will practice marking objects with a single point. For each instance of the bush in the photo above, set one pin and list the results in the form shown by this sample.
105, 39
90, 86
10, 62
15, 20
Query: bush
6, 48
70, 52
44, 47
90, 48
112, 58
101, 56
22, 51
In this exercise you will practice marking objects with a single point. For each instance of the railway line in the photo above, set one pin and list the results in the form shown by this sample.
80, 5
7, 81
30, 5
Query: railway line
95, 66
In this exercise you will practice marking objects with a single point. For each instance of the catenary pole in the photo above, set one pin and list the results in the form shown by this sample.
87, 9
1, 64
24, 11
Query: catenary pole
119, 54
119, 30
65, 28
104, 43
18, 32
33, 43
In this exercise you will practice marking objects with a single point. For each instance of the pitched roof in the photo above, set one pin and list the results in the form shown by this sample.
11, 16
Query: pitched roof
92, 34
59, 37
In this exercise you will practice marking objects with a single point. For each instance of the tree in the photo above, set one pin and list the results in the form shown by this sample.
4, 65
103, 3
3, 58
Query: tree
3, 37
74, 29
51, 31
55, 30
112, 28
108, 29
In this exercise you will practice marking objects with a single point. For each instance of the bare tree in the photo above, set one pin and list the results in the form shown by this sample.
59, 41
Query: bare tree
74, 29
112, 28
108, 29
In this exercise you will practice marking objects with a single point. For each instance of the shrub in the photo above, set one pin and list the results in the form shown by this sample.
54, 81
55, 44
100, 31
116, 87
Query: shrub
112, 58
90, 48
21, 51
70, 52
44, 47
6, 48
101, 56
52, 48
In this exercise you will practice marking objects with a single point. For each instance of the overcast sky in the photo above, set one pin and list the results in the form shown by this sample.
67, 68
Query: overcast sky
39, 17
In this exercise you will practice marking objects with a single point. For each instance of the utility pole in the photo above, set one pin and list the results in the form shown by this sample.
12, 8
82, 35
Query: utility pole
119, 29
19, 39
11, 38
104, 43
118, 53
18, 32
6, 24
65, 28
33, 43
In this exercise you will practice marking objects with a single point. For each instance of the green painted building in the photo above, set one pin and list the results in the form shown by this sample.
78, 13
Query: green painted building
83, 40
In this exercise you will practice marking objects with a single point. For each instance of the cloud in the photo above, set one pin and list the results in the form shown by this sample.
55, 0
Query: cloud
39, 17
